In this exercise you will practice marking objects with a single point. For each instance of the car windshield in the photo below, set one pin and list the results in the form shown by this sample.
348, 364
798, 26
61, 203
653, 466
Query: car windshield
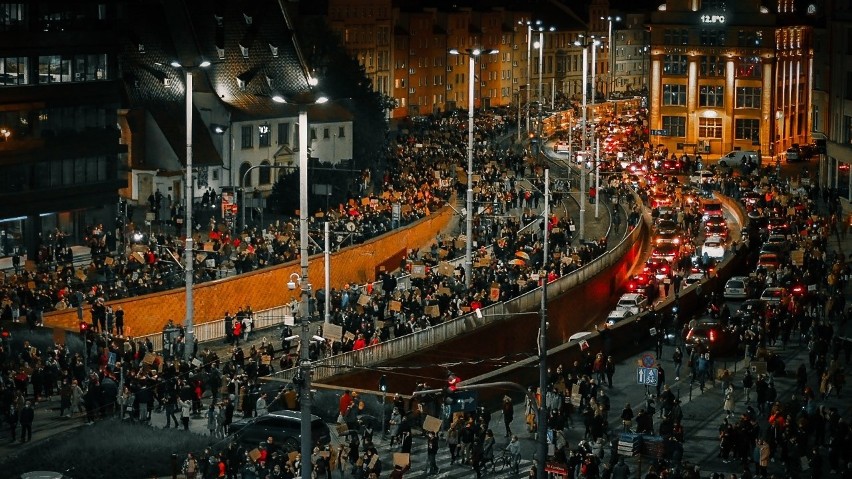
735, 284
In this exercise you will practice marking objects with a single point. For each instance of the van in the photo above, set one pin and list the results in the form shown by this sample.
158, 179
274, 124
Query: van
737, 158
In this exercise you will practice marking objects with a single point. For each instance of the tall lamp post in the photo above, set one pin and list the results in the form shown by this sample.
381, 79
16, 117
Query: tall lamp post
540, 46
610, 20
541, 450
303, 101
472, 54
585, 44
189, 337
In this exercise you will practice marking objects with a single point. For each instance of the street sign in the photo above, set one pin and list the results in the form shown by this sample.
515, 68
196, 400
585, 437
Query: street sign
660, 132
648, 360
646, 376
464, 401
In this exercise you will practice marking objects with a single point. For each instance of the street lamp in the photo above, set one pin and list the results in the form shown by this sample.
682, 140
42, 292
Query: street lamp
582, 199
610, 20
189, 336
472, 54
541, 450
529, 24
540, 46
303, 101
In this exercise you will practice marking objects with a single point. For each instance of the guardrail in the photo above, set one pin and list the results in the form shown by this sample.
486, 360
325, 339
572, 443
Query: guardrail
435, 335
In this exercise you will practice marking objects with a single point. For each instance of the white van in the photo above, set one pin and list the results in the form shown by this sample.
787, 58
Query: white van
737, 158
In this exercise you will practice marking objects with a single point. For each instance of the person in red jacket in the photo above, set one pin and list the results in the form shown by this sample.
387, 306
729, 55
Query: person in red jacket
360, 343
238, 331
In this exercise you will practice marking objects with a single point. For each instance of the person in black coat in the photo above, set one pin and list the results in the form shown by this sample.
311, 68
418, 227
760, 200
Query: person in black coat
13, 416
27, 416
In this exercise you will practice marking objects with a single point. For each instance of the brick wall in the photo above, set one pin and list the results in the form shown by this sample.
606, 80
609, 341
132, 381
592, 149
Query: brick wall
265, 288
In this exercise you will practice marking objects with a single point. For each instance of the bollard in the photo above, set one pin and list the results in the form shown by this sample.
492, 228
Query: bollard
174, 466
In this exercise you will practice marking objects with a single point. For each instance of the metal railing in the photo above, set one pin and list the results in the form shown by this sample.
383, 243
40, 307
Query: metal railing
426, 338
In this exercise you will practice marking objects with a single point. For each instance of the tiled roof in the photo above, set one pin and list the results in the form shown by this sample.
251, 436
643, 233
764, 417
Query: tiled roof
250, 63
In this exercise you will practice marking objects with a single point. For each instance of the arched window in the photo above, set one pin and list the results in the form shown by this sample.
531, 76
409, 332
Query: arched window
264, 174
243, 169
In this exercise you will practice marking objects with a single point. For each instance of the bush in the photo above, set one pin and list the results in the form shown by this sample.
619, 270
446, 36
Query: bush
109, 449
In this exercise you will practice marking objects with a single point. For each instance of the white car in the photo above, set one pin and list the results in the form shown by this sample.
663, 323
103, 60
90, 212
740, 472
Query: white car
618, 315
736, 288
702, 176
694, 278
635, 303
714, 247
773, 295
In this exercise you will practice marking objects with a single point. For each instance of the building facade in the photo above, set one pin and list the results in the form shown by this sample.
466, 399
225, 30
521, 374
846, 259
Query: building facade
61, 155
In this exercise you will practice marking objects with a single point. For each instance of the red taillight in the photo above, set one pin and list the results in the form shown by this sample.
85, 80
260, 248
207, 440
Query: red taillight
712, 335
798, 289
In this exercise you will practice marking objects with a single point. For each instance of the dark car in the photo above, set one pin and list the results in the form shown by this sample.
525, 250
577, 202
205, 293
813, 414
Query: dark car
283, 426
709, 335
750, 310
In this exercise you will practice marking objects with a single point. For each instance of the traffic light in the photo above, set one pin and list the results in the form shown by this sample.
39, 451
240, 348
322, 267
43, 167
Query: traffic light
383, 384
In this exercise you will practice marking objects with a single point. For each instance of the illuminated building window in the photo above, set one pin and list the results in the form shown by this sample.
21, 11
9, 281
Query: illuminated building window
748, 67
676, 36
748, 97
674, 65
712, 96
713, 38
711, 66
676, 125
749, 38
674, 95
710, 128
11, 16
14, 71
746, 129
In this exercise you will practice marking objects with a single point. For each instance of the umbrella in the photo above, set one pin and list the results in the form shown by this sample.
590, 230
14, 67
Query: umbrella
517, 262
522, 255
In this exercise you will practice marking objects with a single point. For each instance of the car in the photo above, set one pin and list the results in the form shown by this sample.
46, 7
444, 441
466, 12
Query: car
618, 314
737, 158
659, 267
701, 177
768, 261
579, 336
660, 199
667, 226
750, 309
714, 247
562, 147
638, 282
793, 154
773, 295
283, 426
672, 237
711, 336
720, 230
736, 288
711, 209
667, 251
776, 224
772, 248
693, 278
671, 166
633, 302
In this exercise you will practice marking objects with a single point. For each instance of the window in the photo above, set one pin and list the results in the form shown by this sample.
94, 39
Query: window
326, 134
11, 16
674, 95
674, 65
676, 36
713, 38
711, 66
341, 132
676, 125
748, 67
710, 128
847, 129
90, 67
54, 69
13, 70
283, 133
848, 92
247, 136
264, 138
746, 129
244, 168
264, 173
313, 134
749, 38
748, 97
712, 96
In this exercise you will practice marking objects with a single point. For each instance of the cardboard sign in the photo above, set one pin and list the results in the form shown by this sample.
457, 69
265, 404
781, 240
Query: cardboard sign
758, 367
444, 291
431, 424
254, 454
401, 459
445, 268
365, 201
797, 257
395, 306
433, 311
494, 294
266, 360
333, 332
418, 270
364, 300
483, 262
348, 336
